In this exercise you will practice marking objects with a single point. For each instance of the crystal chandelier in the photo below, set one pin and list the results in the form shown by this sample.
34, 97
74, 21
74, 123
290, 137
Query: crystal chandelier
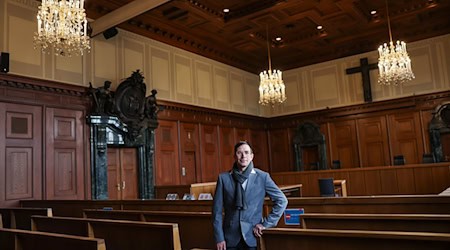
62, 26
271, 86
394, 64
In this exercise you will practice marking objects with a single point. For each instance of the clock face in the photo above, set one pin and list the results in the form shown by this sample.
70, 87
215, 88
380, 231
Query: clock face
130, 102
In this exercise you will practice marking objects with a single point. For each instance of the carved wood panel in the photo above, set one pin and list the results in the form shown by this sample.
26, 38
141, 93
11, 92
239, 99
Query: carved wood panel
20, 153
19, 173
405, 136
227, 143
65, 160
167, 168
373, 141
190, 153
210, 153
344, 144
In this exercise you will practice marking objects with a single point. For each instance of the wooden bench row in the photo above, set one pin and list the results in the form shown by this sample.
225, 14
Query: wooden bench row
195, 227
17, 239
378, 222
325, 239
20, 218
414, 225
118, 234
50, 232
401, 204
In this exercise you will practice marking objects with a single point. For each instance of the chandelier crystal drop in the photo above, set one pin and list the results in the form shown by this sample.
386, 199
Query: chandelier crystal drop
62, 27
394, 64
271, 85
271, 88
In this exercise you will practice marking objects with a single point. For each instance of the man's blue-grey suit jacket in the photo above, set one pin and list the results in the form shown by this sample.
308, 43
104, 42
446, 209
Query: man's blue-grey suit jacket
236, 222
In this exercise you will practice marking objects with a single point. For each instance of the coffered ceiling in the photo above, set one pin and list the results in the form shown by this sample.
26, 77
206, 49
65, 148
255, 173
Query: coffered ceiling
238, 38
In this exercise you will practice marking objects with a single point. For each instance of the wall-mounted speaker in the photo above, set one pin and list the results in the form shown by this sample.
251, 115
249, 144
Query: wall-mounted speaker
4, 62
109, 33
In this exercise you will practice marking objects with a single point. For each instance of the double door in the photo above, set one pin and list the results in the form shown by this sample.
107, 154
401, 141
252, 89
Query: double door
122, 173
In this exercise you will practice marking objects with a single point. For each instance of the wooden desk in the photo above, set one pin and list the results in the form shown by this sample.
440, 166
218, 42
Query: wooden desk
292, 190
340, 187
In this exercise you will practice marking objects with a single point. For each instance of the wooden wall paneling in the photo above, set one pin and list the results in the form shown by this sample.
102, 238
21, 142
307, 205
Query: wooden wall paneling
279, 151
312, 188
190, 153
405, 181
423, 180
2, 155
356, 183
167, 168
405, 136
441, 178
344, 143
425, 119
373, 182
210, 152
21, 153
258, 139
64, 154
389, 181
227, 142
242, 134
373, 141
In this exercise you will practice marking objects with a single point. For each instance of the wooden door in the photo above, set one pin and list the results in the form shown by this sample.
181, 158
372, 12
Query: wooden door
122, 174
189, 158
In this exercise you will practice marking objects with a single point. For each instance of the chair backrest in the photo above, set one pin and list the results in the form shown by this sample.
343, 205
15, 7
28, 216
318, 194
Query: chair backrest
399, 160
428, 158
336, 164
326, 187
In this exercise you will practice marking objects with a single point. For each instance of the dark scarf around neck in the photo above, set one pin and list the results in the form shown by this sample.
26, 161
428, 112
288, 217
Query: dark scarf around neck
239, 178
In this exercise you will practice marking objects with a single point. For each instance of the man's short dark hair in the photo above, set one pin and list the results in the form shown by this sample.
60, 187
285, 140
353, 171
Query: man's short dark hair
240, 143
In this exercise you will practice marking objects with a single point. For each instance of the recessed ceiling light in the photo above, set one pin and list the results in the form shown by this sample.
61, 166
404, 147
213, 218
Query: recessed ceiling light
319, 27
373, 12
226, 10
278, 39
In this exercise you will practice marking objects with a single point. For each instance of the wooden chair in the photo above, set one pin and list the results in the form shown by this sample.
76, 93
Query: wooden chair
326, 187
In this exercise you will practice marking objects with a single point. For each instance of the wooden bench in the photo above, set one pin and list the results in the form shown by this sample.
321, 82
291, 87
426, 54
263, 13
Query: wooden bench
74, 208
118, 234
378, 222
207, 187
195, 227
318, 239
399, 204
17, 239
20, 217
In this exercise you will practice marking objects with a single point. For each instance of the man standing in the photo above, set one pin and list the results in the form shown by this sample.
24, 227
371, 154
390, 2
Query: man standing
240, 195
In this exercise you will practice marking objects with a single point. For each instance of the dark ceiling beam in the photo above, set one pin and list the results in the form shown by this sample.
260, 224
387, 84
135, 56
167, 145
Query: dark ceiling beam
123, 14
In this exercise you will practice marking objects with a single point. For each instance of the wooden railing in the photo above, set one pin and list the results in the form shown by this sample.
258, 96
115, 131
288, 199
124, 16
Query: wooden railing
391, 180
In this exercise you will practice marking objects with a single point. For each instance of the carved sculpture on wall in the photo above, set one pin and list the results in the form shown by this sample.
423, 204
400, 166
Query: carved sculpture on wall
123, 118
308, 135
439, 125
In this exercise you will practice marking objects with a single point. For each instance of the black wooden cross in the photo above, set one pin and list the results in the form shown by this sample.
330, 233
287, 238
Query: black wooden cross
364, 70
